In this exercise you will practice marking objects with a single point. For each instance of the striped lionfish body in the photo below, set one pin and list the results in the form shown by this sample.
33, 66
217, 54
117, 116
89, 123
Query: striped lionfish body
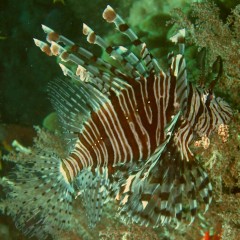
128, 131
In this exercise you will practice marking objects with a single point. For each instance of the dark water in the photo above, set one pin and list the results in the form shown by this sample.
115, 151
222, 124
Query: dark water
25, 72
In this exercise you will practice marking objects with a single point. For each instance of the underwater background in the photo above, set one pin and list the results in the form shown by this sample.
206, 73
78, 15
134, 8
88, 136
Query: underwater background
24, 103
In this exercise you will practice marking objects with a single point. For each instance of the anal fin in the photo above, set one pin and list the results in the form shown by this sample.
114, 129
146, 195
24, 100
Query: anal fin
173, 191
94, 191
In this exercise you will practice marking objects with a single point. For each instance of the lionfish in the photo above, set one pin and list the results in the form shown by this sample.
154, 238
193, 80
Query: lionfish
128, 126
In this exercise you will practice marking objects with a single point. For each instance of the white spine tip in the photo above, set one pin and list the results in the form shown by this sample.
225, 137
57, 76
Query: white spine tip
37, 42
109, 14
64, 69
91, 37
86, 29
179, 37
182, 32
46, 29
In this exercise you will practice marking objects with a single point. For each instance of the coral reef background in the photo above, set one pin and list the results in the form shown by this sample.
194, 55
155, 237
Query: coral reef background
25, 72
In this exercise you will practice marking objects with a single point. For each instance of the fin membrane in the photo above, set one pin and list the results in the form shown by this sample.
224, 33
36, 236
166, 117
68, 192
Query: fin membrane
94, 189
174, 191
40, 200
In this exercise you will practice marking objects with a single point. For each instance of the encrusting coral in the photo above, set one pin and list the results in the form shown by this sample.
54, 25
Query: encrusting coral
220, 37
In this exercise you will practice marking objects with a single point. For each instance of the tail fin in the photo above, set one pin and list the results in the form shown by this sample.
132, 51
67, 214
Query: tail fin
173, 193
40, 200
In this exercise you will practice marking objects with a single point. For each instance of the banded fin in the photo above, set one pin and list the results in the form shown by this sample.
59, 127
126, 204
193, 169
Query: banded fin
149, 61
74, 103
129, 61
137, 182
79, 63
173, 193
40, 201
88, 68
201, 64
179, 38
178, 70
94, 190
88, 58
209, 77
217, 70
182, 138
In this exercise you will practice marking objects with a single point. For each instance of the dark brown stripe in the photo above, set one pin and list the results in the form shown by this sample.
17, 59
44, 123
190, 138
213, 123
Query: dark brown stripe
53, 36
203, 184
123, 27
201, 108
164, 196
77, 160
74, 48
109, 49
137, 42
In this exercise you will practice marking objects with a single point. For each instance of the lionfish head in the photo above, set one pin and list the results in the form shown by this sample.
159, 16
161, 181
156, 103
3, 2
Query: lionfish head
216, 112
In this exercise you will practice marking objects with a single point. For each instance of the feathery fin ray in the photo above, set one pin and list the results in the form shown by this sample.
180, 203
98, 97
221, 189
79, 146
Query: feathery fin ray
128, 131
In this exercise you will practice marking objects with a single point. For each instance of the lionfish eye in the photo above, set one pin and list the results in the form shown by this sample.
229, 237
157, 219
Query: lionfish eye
209, 98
